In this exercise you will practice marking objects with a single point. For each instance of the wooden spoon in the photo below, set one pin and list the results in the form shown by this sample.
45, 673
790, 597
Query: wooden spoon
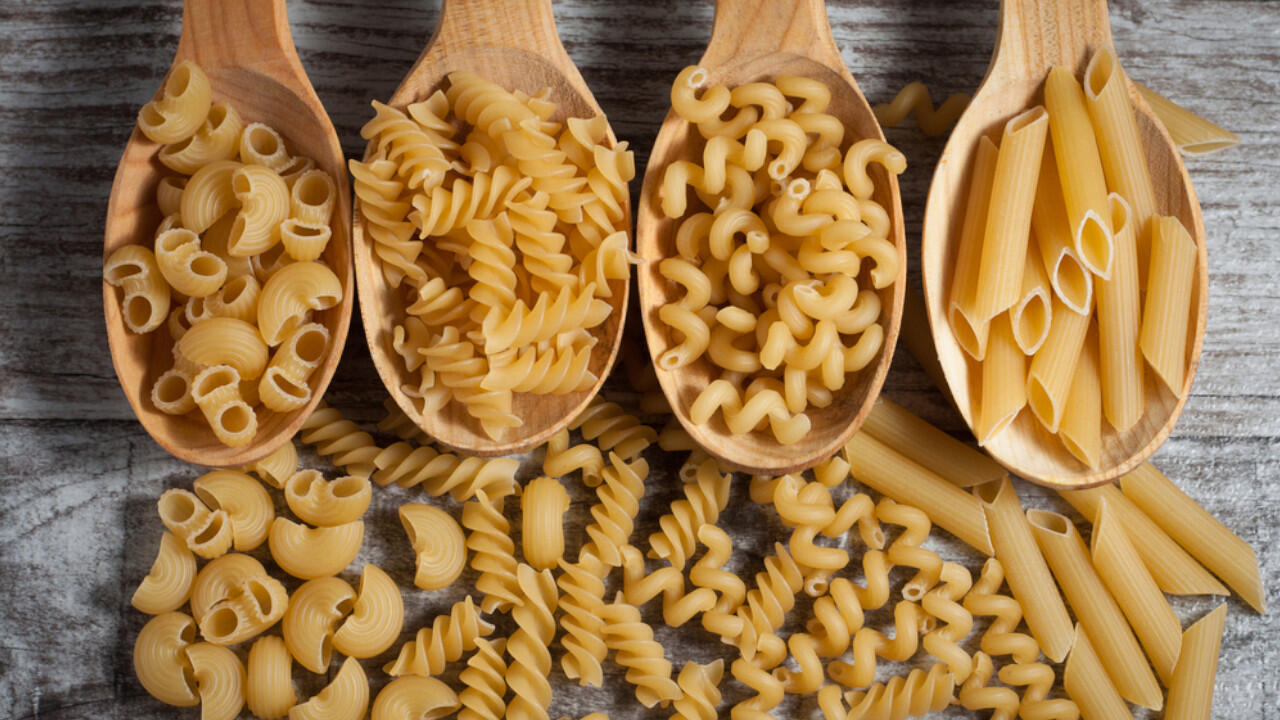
1036, 35
755, 40
515, 45
245, 48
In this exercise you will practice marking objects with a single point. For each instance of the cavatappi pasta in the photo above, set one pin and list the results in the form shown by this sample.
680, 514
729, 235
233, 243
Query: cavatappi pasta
1103, 247
503, 232
781, 253
235, 267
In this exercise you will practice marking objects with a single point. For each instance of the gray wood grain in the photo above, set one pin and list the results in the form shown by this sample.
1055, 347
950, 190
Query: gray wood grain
78, 528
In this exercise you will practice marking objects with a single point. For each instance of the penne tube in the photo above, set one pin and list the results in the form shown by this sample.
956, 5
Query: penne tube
1087, 684
1004, 394
875, 465
1167, 312
1049, 379
1025, 569
1119, 359
1124, 161
926, 445
1033, 312
1191, 133
1122, 571
1081, 428
1084, 187
1094, 608
970, 330
1176, 572
1071, 282
1004, 239
1191, 692
1198, 531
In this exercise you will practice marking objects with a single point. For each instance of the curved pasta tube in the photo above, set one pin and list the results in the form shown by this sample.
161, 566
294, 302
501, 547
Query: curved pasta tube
484, 683
582, 598
563, 458
327, 502
220, 678
291, 293
216, 390
169, 196
218, 580
416, 698
268, 687
804, 650
308, 626
306, 552
721, 151
792, 140
442, 642
863, 153
248, 607
226, 341
206, 533
438, 543
305, 240
134, 269
181, 108
530, 665
237, 298
613, 430
824, 153
208, 195
261, 144
703, 500
914, 695
493, 551
613, 517
542, 507
686, 103
312, 197
188, 269
283, 386
264, 204
731, 222
678, 607
339, 439
346, 697
647, 667
216, 139
246, 502
277, 467
815, 93
160, 660
376, 617
699, 691
168, 584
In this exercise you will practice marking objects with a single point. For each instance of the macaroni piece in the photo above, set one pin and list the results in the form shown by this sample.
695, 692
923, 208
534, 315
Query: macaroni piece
167, 585
309, 623
246, 502
205, 532
414, 697
327, 502
376, 618
437, 541
543, 504
307, 552
134, 269
160, 659
268, 688
220, 677
346, 696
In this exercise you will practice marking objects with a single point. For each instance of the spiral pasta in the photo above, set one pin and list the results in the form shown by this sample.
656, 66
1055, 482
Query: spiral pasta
442, 642
527, 675
337, 437
916, 694
484, 683
563, 458
703, 500
977, 693
914, 99
699, 691
678, 606
769, 691
613, 429
493, 551
632, 641
721, 618
443, 473
869, 644
941, 603
581, 601
613, 516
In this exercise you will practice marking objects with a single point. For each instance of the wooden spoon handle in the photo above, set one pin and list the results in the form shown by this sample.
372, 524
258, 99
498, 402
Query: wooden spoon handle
748, 29
236, 33
1036, 35
524, 24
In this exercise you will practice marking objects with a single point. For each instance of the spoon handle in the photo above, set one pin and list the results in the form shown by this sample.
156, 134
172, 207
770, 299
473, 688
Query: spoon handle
237, 33
524, 24
1036, 35
747, 29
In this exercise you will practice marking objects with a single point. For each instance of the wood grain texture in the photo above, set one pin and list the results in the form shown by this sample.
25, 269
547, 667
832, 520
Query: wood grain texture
78, 528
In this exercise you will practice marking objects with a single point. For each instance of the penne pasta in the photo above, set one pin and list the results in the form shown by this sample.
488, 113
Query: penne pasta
1081, 427
1033, 312
1191, 691
1003, 394
1197, 530
970, 330
1025, 568
1119, 359
1084, 189
1071, 282
1167, 312
1191, 133
1049, 378
1004, 243
1087, 684
926, 445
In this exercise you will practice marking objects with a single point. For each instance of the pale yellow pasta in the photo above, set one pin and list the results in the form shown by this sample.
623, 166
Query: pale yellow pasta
1081, 426
743, 417
1025, 568
206, 533
169, 194
313, 614
280, 392
1197, 530
971, 331
269, 263
1167, 313
226, 341
1119, 358
268, 687
1032, 315
216, 139
264, 204
312, 197
181, 108
260, 144
543, 504
914, 98
1003, 396
306, 552
860, 155
1193, 134
437, 541
237, 298
216, 390
284, 385
1049, 377
1087, 684
188, 269
220, 578
1084, 188
443, 641
305, 240
376, 617
1072, 282
1191, 688
1004, 244
927, 446
277, 467
1096, 610
685, 101
134, 269
327, 502
290, 294
249, 607
160, 661
168, 584
346, 697
416, 698
208, 195
700, 689
245, 501
219, 677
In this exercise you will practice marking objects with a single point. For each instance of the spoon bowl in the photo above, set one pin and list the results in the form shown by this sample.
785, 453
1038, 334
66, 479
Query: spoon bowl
246, 50
516, 46
1036, 35
759, 40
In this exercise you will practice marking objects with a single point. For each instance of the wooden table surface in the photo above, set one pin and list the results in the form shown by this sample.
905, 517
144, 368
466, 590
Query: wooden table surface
80, 478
